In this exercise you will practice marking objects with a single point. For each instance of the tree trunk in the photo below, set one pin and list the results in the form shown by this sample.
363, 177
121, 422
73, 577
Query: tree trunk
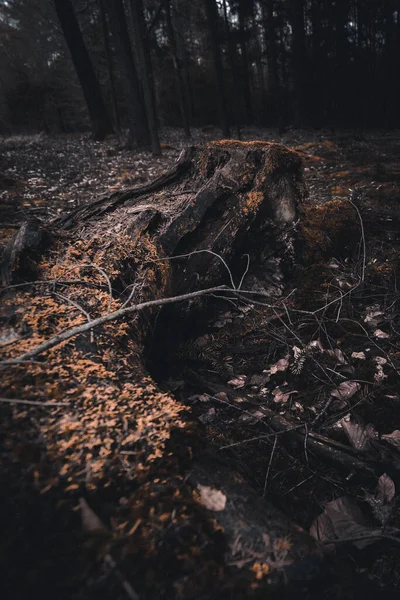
274, 83
145, 71
298, 61
131, 452
110, 69
212, 21
101, 123
183, 102
243, 8
233, 67
138, 125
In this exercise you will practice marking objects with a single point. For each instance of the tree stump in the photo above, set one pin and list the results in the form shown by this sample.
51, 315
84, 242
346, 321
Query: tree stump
175, 520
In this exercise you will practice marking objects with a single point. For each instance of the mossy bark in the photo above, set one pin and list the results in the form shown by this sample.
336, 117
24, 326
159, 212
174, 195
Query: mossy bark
173, 510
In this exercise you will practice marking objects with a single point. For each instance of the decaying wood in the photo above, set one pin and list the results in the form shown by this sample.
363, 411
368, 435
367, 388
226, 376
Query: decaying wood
188, 526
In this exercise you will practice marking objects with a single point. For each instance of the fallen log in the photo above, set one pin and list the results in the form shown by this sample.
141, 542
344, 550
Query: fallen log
179, 523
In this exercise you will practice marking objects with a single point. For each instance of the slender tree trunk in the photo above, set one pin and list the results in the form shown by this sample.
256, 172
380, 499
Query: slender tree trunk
342, 9
145, 71
138, 125
100, 120
183, 105
319, 61
212, 20
110, 68
184, 53
233, 67
274, 83
245, 62
298, 60
392, 64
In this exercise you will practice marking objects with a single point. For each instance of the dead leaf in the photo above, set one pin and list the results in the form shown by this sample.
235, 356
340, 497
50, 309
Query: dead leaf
359, 355
385, 490
280, 366
374, 316
282, 396
222, 396
316, 345
208, 417
346, 390
357, 434
211, 498
338, 355
90, 521
342, 519
393, 438
382, 335
258, 380
380, 360
238, 382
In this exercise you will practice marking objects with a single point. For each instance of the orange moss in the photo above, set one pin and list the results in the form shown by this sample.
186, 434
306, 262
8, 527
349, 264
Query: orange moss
252, 202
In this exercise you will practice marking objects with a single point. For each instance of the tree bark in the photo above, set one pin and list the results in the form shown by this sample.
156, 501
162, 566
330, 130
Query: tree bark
138, 125
183, 100
132, 452
145, 71
110, 68
298, 61
212, 21
101, 123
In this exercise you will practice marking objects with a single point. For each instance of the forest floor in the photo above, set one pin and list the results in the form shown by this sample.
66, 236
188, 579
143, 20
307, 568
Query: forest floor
331, 371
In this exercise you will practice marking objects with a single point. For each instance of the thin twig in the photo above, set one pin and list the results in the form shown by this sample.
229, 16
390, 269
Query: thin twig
33, 403
269, 467
362, 238
189, 254
79, 307
245, 271
360, 538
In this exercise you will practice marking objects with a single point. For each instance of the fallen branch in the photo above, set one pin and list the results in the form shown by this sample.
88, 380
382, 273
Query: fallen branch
117, 314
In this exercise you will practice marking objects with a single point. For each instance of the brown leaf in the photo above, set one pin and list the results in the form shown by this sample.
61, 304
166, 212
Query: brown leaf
90, 521
393, 438
282, 396
385, 490
344, 519
357, 434
322, 529
346, 390
382, 335
238, 382
211, 498
338, 355
279, 366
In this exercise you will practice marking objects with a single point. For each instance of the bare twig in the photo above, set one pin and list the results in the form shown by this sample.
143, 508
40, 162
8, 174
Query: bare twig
79, 307
33, 403
269, 467
189, 254
360, 538
245, 271
362, 237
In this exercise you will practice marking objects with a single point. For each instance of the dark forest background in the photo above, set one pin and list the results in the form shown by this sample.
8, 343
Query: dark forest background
67, 65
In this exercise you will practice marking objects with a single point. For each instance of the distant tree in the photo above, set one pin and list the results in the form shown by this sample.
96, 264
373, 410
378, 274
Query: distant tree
145, 70
139, 135
183, 99
212, 21
109, 62
101, 123
298, 60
